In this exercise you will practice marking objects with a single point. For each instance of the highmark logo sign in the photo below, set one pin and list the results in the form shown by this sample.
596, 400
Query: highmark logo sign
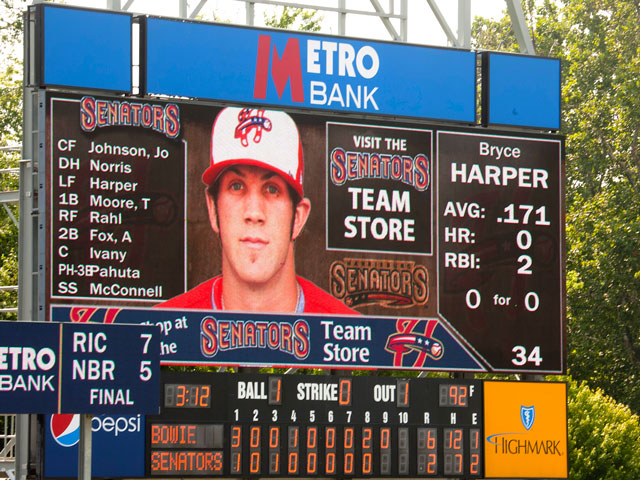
324, 59
526, 430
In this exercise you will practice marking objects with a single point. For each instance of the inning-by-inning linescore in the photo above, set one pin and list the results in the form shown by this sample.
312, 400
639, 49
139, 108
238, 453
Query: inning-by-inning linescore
252, 425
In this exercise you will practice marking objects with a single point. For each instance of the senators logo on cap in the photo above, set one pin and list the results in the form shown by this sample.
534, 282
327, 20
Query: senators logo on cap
250, 121
264, 138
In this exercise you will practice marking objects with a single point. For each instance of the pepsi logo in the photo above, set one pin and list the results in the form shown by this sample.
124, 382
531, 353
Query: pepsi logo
65, 429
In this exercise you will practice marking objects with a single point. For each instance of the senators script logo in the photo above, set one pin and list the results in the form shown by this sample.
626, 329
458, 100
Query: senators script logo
218, 336
388, 283
251, 120
411, 340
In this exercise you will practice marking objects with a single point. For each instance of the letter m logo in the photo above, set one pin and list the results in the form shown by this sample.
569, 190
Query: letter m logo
283, 68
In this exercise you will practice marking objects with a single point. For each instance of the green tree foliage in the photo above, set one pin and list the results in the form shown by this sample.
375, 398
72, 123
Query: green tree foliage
295, 19
602, 101
599, 43
545, 28
603, 437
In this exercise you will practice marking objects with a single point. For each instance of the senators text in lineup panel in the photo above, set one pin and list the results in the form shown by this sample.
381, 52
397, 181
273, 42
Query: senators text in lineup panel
310, 425
500, 238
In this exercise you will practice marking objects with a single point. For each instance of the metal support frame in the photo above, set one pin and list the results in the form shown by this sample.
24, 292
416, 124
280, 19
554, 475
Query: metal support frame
461, 40
8, 445
85, 448
385, 15
27, 231
464, 23
519, 25
451, 37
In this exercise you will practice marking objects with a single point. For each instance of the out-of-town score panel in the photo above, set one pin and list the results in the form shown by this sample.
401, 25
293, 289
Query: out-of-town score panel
312, 425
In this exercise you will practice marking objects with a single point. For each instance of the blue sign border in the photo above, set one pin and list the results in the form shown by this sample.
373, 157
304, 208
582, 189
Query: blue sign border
86, 48
521, 91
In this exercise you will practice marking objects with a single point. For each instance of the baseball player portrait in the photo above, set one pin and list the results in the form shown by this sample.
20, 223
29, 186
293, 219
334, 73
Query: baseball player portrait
257, 209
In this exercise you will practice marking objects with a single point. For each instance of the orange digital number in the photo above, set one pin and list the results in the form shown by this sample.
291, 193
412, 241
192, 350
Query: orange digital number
454, 439
254, 466
385, 434
330, 445
274, 437
366, 464
331, 437
457, 443
345, 392
431, 464
348, 438
431, 439
475, 439
312, 455
367, 433
254, 437
293, 444
312, 463
293, 462
293, 439
181, 397
348, 450
312, 437
254, 444
278, 390
205, 396
330, 464
348, 463
235, 462
458, 395
235, 436
474, 467
403, 394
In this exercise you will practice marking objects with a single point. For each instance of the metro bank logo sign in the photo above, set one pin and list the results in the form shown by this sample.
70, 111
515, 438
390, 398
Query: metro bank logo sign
322, 57
254, 66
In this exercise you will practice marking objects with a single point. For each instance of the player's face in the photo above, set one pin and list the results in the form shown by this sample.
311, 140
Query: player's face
254, 215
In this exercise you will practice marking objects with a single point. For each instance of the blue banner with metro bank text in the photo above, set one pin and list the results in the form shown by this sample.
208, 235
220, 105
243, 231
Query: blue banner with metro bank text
248, 65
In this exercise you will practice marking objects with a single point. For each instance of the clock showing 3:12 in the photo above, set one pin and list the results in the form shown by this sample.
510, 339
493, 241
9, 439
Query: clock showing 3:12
181, 395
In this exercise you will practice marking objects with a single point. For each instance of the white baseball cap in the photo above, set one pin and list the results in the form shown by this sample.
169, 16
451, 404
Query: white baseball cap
252, 136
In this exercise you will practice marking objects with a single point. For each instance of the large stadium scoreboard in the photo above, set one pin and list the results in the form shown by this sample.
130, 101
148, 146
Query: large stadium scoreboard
253, 425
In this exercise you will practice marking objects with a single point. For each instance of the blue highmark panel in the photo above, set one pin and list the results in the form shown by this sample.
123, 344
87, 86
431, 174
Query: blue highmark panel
524, 91
87, 49
256, 66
